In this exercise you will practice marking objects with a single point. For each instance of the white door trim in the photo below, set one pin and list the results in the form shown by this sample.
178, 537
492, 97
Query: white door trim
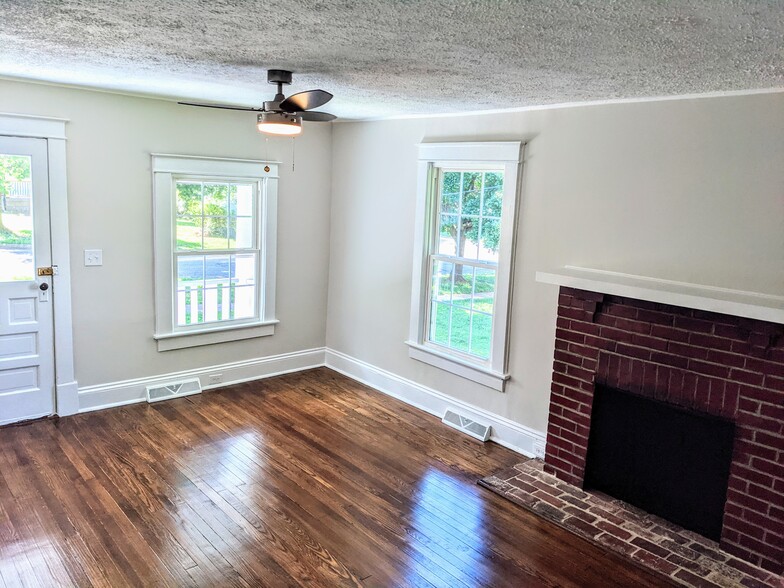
53, 130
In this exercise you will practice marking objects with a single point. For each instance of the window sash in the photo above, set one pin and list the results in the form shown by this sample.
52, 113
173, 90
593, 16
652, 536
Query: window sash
258, 195
463, 261
228, 284
431, 322
433, 256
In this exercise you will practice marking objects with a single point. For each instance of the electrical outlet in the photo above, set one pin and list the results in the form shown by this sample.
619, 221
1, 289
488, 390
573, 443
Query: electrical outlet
93, 257
539, 449
214, 379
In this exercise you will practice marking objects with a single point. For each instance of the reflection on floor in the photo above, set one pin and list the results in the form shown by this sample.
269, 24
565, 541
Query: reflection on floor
306, 479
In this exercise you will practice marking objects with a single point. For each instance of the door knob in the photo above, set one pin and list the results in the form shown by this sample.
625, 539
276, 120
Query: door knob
43, 286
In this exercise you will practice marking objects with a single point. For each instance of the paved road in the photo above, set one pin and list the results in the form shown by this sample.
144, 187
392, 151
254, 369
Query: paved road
190, 268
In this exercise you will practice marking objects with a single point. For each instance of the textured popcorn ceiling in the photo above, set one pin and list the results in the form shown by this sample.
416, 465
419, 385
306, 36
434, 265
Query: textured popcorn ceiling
388, 57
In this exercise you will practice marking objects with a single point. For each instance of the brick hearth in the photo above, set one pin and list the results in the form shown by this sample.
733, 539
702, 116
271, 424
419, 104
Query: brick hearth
712, 363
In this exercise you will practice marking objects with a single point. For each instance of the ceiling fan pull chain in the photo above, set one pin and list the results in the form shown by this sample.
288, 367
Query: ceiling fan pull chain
293, 152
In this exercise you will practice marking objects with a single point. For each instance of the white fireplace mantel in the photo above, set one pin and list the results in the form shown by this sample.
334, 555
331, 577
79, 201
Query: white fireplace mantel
755, 305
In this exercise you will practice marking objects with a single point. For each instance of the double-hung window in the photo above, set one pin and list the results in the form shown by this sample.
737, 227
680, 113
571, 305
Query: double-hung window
463, 258
214, 249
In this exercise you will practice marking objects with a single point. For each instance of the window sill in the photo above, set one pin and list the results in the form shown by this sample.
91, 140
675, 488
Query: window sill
457, 366
209, 336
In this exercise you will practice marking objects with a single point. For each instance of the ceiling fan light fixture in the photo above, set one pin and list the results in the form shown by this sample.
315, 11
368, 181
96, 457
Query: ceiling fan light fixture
279, 123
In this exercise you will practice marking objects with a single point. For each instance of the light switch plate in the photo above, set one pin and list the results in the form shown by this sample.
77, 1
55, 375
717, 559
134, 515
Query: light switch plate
93, 257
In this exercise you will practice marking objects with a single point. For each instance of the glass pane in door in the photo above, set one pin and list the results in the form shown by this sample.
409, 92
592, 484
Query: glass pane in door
16, 219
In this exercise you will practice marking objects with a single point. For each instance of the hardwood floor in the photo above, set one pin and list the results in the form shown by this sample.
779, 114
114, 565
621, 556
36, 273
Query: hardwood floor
308, 479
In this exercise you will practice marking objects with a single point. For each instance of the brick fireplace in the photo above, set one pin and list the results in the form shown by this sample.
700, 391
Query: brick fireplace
716, 364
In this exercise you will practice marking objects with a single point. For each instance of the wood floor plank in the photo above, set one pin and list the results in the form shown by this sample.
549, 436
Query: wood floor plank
307, 479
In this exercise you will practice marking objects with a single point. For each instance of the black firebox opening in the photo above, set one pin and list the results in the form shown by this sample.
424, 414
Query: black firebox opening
660, 458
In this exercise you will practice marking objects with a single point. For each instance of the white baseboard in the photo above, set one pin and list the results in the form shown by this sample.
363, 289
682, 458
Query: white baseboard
505, 432
132, 391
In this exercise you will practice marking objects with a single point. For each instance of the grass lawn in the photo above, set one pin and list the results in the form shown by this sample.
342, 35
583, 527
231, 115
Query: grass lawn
18, 229
189, 236
472, 326
480, 335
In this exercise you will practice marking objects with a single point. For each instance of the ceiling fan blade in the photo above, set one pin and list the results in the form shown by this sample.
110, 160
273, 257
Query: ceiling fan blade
221, 106
305, 100
317, 116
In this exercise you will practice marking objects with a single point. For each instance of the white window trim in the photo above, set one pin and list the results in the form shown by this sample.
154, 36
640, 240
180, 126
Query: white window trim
166, 168
507, 155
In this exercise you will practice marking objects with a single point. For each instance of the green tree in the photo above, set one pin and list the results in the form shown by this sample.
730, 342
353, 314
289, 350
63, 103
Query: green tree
212, 200
189, 199
13, 168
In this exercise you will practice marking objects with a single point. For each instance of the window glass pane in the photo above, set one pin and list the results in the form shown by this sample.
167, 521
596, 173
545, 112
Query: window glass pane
468, 246
484, 290
448, 234
241, 200
241, 233
450, 192
189, 198
17, 262
493, 194
459, 331
190, 270
216, 232
481, 334
464, 285
472, 192
189, 232
461, 307
190, 304
490, 239
442, 282
190, 285
216, 213
215, 288
211, 310
459, 294
216, 199
244, 269
244, 301
216, 268
439, 323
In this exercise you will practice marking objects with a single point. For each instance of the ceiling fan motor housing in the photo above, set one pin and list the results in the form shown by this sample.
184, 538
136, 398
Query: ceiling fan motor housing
278, 76
280, 117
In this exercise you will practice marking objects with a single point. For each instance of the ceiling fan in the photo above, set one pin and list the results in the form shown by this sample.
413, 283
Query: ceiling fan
281, 115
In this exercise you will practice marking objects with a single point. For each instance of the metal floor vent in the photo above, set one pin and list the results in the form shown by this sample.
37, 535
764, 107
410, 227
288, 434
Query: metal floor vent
468, 426
173, 389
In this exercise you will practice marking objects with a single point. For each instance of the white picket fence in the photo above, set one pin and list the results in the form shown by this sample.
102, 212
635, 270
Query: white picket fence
214, 302
17, 199
20, 189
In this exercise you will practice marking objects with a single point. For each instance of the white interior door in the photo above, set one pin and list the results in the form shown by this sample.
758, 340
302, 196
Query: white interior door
26, 326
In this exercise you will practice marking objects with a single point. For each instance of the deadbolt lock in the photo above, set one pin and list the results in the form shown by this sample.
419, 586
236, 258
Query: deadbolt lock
46, 271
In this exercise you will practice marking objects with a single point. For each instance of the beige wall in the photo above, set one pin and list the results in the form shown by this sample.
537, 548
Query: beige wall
689, 190
110, 138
